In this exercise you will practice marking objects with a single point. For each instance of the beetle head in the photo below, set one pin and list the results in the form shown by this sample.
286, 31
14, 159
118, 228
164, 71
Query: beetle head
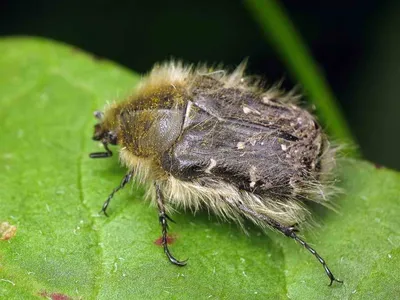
105, 135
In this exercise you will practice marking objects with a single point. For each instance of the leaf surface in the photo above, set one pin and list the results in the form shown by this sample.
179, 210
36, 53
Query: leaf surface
52, 192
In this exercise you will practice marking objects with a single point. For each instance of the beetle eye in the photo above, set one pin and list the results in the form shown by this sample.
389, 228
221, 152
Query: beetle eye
112, 138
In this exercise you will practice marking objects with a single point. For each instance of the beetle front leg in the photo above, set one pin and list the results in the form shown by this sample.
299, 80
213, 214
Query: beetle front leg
163, 217
124, 181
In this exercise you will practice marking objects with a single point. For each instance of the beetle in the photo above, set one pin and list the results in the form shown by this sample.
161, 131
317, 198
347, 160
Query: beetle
210, 138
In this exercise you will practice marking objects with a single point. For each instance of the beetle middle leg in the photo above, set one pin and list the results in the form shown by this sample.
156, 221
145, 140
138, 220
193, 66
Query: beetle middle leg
163, 217
124, 181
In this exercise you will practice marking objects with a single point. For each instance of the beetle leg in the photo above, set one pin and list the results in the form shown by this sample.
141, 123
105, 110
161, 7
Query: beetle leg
290, 231
163, 218
124, 181
106, 154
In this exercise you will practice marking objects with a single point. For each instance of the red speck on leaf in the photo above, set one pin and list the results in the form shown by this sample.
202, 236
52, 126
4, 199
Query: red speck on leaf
54, 296
378, 166
170, 240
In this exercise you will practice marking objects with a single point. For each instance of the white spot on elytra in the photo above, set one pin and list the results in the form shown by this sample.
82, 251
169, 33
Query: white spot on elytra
248, 110
187, 113
212, 164
267, 99
240, 145
253, 176
253, 142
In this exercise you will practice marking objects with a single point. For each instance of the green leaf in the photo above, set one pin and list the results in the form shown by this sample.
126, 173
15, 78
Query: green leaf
283, 36
52, 192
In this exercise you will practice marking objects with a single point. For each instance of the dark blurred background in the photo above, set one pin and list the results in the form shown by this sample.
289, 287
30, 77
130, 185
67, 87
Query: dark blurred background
356, 44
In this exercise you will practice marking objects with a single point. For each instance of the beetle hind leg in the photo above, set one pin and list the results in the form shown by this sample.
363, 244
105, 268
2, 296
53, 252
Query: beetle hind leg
289, 231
